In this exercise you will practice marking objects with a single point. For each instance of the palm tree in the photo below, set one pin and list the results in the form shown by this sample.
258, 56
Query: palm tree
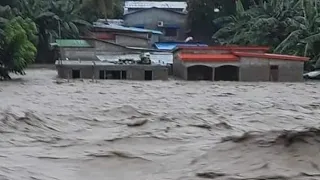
17, 38
67, 15
305, 36
53, 17
106, 9
234, 28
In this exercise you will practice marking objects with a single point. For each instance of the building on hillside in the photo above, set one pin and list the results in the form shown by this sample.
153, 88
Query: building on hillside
173, 24
234, 63
126, 36
133, 6
90, 49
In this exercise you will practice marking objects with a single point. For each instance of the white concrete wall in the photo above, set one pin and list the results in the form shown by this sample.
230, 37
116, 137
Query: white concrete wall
131, 41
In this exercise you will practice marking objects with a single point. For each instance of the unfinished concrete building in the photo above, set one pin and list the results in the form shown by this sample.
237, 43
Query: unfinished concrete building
92, 58
105, 70
234, 63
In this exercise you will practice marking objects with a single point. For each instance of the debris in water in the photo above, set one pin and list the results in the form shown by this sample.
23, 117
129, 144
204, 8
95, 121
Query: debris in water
224, 125
210, 175
204, 126
245, 136
120, 154
137, 123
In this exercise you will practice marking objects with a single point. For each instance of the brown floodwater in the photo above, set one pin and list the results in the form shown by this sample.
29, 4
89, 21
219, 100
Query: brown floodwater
52, 129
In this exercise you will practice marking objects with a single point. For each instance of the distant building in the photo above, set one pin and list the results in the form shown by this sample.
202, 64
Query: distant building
90, 49
234, 63
133, 6
168, 17
126, 36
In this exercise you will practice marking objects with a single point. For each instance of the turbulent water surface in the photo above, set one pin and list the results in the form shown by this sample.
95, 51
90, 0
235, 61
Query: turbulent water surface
81, 130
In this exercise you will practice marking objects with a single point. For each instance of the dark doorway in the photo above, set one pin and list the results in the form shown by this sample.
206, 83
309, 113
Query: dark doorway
200, 72
274, 73
171, 32
113, 74
123, 74
75, 74
148, 75
226, 73
102, 74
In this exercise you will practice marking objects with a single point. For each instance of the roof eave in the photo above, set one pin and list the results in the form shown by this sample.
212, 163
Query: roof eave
271, 56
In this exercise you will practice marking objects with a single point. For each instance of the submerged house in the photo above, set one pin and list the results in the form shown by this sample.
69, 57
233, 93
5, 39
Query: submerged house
236, 63
94, 58
170, 18
108, 70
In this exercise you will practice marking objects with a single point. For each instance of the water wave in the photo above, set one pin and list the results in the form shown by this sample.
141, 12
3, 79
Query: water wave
54, 129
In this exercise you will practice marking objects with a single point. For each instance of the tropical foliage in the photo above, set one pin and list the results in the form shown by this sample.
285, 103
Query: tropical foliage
287, 26
27, 27
17, 39
202, 12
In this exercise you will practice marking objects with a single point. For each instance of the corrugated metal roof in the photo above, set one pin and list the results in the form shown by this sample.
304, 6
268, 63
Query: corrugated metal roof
123, 28
158, 4
172, 45
157, 58
208, 57
72, 43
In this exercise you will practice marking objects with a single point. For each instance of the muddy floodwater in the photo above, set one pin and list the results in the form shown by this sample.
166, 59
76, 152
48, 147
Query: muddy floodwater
161, 130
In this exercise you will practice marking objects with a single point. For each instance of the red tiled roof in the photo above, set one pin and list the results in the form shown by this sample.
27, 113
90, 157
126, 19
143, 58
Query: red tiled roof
208, 57
231, 48
271, 56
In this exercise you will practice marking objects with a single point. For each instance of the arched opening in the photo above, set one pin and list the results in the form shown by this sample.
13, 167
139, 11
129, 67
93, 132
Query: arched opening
200, 72
226, 73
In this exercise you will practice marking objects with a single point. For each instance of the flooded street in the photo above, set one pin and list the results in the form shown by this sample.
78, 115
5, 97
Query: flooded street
175, 130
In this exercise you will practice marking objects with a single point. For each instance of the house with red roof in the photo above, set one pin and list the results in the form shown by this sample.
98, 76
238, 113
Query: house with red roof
236, 63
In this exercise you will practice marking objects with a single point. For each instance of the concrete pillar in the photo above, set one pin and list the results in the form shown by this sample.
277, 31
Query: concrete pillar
185, 73
213, 70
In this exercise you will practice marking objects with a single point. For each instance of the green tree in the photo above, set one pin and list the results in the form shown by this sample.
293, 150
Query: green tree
95, 9
67, 16
201, 14
54, 19
287, 26
17, 48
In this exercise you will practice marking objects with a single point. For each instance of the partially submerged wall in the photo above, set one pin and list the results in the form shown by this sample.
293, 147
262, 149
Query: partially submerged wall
250, 69
259, 69
254, 69
289, 71
133, 72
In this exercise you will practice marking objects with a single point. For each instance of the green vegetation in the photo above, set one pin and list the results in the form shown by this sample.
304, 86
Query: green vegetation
287, 26
27, 27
